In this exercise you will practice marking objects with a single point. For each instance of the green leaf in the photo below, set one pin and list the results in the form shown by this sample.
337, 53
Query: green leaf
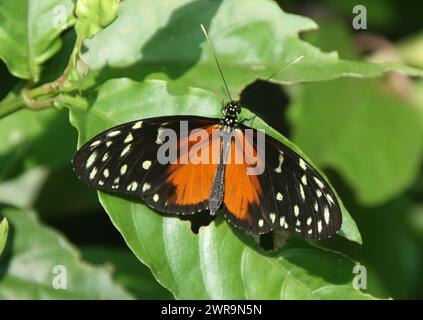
372, 138
129, 273
29, 33
196, 266
94, 15
367, 131
252, 38
38, 255
4, 229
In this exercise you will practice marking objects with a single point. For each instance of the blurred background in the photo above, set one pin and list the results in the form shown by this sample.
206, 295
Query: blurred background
366, 134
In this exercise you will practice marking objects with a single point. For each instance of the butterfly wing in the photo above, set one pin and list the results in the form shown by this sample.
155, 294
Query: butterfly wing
125, 160
290, 194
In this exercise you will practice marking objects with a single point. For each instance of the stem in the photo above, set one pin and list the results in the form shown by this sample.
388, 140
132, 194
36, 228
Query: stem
70, 101
11, 105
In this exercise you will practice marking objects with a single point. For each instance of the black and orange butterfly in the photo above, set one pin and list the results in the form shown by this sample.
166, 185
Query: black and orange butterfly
289, 194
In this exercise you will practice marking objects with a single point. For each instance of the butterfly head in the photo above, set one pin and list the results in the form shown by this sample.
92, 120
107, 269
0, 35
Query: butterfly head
232, 111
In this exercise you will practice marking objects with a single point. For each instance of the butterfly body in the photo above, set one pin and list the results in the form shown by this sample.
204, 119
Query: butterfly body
270, 188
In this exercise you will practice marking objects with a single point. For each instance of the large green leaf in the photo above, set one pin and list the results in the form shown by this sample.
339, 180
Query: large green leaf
373, 139
197, 266
29, 33
28, 266
362, 128
253, 38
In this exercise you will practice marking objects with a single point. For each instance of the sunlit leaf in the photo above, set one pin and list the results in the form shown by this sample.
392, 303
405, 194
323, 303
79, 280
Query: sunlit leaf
252, 38
29, 33
196, 266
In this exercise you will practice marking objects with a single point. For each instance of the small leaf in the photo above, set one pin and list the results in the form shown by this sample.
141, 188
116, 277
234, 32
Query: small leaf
167, 43
39, 256
94, 15
4, 229
219, 262
29, 33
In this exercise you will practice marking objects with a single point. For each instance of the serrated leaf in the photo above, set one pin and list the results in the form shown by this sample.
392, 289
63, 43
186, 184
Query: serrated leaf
4, 230
196, 266
28, 269
94, 15
29, 33
252, 38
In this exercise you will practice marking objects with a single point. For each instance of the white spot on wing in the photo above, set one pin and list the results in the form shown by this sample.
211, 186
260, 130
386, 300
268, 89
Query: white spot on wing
272, 217
304, 180
279, 167
309, 221
319, 193
330, 199
128, 138
326, 215
113, 133
137, 125
156, 197
108, 143
261, 223
105, 157
302, 164
319, 226
316, 206
93, 173
296, 210
159, 132
279, 196
106, 173
302, 192
319, 183
95, 143
132, 186
123, 169
91, 159
146, 164
125, 150
146, 186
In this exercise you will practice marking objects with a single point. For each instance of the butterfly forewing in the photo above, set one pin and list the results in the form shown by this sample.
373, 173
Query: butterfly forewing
124, 159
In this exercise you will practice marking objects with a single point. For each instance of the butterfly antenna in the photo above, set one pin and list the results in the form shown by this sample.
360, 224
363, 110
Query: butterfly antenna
285, 67
279, 71
217, 61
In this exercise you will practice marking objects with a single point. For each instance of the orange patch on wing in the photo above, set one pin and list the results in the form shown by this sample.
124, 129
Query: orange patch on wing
241, 189
192, 181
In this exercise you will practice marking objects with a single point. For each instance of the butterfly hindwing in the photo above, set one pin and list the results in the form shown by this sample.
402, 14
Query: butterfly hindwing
124, 160
289, 195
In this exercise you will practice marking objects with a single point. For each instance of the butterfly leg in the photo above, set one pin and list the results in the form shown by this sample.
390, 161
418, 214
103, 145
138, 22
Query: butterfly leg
248, 119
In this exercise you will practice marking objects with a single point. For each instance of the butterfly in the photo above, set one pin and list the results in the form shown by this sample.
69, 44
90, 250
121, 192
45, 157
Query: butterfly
259, 183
